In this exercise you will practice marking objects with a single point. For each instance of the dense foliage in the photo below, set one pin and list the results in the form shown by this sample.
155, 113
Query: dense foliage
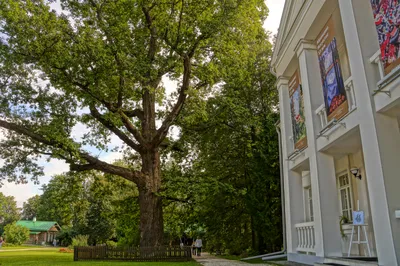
15, 234
226, 175
100, 206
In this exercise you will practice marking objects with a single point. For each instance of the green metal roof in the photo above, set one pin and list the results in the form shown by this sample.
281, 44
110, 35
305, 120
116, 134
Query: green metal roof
38, 226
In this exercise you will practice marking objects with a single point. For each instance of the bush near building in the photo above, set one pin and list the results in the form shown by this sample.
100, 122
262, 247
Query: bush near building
16, 234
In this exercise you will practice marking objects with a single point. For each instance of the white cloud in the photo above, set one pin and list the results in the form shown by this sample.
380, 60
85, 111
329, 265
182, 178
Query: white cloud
78, 131
22, 192
111, 157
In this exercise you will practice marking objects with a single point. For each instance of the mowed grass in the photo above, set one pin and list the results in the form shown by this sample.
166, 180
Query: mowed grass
55, 258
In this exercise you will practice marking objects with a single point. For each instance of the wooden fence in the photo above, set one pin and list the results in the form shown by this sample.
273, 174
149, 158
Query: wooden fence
133, 253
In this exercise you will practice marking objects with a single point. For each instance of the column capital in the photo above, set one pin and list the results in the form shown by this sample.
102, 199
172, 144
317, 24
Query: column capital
304, 44
281, 81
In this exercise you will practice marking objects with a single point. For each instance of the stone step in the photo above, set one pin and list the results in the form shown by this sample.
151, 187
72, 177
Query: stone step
360, 261
327, 264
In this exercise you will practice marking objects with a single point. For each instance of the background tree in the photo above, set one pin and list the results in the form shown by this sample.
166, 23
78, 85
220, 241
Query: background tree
30, 208
229, 163
64, 200
104, 62
9, 212
103, 207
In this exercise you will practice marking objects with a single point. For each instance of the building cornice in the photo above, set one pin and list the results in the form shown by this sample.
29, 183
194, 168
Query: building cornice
281, 81
285, 36
304, 44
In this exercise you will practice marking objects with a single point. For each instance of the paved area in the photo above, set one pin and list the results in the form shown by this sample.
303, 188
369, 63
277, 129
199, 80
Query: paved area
209, 260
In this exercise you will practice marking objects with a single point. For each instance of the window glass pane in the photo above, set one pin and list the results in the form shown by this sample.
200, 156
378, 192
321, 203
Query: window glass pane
343, 199
348, 192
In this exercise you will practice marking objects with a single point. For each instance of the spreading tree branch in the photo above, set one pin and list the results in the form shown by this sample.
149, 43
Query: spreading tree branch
134, 113
93, 163
163, 130
131, 128
110, 126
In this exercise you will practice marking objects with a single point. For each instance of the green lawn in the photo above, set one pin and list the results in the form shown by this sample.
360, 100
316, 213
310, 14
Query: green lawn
55, 258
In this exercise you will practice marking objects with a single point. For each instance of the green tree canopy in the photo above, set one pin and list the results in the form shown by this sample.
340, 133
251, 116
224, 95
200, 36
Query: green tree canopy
101, 64
228, 169
30, 208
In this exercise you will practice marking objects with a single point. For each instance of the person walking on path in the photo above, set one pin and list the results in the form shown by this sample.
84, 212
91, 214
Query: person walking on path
199, 245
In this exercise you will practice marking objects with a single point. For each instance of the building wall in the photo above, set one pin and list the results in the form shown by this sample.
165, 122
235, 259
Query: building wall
366, 138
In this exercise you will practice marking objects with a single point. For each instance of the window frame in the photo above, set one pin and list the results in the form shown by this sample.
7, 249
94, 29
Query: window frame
348, 191
308, 204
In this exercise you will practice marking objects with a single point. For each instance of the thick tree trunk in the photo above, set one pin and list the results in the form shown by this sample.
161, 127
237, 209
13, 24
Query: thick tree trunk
151, 214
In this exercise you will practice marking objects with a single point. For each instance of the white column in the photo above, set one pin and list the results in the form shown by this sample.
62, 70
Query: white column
292, 181
379, 134
322, 168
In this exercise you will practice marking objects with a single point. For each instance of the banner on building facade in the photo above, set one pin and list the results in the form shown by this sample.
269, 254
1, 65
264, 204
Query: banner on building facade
387, 23
297, 112
332, 80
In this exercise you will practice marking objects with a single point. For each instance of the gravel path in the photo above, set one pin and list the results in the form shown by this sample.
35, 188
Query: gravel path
209, 260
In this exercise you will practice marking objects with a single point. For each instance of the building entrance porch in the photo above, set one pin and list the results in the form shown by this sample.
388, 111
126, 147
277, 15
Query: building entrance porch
352, 193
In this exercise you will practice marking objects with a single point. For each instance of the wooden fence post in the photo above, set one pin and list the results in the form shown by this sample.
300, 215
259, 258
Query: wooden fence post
75, 253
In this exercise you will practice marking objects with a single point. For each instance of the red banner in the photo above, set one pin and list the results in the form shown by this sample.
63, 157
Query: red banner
387, 22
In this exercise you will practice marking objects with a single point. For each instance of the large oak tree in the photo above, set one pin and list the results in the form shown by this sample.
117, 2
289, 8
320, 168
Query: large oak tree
100, 63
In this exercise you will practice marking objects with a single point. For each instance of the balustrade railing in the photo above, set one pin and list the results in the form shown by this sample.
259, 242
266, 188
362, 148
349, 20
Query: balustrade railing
306, 237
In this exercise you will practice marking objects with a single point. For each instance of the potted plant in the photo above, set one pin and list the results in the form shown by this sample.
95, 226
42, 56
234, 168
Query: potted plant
343, 220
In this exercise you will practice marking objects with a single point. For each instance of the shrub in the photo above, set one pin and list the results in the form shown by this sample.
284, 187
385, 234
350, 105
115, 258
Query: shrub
65, 236
16, 234
79, 241
111, 244
6, 244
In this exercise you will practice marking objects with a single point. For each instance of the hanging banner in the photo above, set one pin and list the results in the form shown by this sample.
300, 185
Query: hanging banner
387, 22
297, 112
332, 80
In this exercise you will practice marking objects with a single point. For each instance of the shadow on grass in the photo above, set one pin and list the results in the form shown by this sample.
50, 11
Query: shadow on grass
53, 257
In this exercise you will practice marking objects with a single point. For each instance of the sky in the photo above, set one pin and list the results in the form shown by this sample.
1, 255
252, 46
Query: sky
22, 192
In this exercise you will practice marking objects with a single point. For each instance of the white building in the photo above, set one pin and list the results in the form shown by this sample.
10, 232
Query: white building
339, 90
